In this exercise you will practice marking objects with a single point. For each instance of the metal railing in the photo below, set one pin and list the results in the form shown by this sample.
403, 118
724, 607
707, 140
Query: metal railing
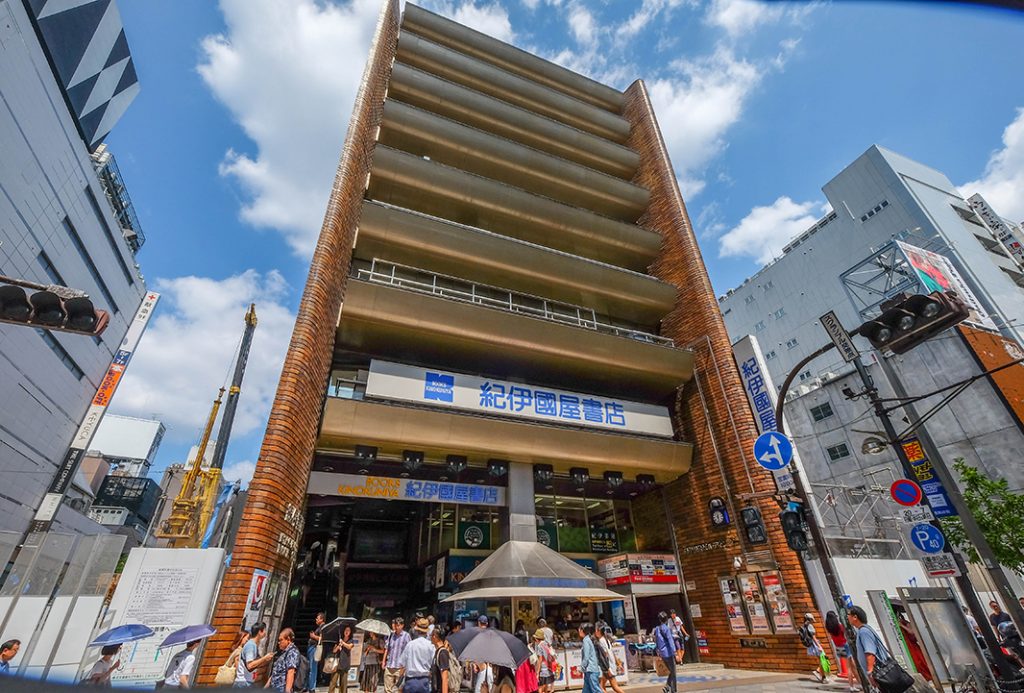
456, 289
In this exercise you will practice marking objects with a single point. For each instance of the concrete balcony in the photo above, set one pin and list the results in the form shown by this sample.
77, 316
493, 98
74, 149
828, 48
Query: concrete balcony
394, 428
398, 235
509, 58
448, 142
423, 326
527, 94
483, 112
405, 180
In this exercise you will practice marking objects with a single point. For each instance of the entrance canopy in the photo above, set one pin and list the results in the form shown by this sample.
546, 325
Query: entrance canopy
530, 569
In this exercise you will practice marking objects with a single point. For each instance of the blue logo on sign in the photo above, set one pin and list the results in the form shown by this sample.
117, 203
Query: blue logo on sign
438, 386
927, 538
773, 450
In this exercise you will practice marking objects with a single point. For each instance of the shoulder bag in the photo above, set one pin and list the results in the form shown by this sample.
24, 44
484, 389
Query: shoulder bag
889, 675
227, 672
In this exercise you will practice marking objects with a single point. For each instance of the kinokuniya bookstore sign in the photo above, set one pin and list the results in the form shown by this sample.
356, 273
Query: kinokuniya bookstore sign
396, 381
390, 488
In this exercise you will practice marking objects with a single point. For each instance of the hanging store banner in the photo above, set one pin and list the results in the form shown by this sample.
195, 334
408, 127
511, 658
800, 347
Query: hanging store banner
437, 388
358, 486
547, 534
936, 273
761, 394
929, 482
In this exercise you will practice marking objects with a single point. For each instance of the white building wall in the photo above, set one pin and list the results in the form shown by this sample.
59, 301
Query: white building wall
45, 176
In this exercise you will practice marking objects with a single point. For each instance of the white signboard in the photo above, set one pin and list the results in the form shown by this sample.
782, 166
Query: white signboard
165, 589
359, 486
447, 389
940, 565
761, 394
840, 337
916, 514
936, 273
1004, 232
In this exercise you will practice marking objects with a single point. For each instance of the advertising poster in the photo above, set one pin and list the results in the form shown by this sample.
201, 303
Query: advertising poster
574, 667
754, 603
936, 273
603, 540
619, 652
547, 534
257, 593
702, 643
778, 602
733, 607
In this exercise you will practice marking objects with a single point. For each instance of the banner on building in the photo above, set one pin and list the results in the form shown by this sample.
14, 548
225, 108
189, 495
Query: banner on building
936, 273
926, 478
474, 535
1007, 234
639, 568
992, 351
547, 534
424, 491
433, 387
762, 397
83, 437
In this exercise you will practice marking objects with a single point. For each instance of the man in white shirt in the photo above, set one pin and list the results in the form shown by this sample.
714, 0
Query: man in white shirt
417, 659
549, 635
179, 672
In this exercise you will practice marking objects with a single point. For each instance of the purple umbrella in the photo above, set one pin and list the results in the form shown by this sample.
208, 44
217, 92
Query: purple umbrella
129, 632
188, 634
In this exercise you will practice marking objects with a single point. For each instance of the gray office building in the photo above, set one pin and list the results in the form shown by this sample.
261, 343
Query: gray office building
848, 263
66, 75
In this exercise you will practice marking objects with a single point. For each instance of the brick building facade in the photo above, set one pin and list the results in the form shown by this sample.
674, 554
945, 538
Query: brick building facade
593, 195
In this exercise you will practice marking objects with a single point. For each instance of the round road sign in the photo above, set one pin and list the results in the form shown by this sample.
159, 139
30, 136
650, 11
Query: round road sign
773, 450
927, 538
905, 492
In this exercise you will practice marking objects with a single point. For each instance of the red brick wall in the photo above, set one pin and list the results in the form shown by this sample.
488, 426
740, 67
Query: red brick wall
723, 433
270, 530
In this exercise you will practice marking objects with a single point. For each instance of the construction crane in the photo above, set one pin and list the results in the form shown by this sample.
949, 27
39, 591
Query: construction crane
194, 504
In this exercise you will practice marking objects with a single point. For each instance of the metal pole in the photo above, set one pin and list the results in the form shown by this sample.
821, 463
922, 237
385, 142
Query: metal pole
693, 650
971, 528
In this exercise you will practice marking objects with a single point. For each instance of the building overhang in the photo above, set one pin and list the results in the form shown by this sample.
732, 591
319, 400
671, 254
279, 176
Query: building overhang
438, 433
414, 327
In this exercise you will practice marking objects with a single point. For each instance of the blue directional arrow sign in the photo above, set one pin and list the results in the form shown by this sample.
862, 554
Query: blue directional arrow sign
773, 450
927, 538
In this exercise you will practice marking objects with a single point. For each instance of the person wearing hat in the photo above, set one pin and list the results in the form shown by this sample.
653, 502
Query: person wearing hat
809, 638
545, 661
417, 659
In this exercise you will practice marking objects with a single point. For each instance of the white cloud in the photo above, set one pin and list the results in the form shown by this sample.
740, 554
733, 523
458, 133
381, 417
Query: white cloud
763, 233
240, 471
697, 105
738, 17
288, 72
189, 347
490, 19
582, 24
1002, 184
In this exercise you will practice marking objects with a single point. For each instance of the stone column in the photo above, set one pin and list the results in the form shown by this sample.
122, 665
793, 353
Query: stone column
522, 514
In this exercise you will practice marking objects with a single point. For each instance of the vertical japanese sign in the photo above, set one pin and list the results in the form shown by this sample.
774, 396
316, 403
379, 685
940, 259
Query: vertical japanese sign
933, 489
761, 395
104, 393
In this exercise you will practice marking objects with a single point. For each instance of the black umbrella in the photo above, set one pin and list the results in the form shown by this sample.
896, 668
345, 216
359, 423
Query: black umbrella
489, 646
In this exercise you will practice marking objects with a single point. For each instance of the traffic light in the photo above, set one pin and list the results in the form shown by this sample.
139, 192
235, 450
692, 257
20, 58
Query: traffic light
906, 321
49, 311
792, 519
753, 525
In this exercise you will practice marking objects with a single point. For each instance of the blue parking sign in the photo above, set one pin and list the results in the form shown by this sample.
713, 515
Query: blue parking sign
927, 538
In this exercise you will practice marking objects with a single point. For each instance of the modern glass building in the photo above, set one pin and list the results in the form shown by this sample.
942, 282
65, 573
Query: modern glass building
507, 333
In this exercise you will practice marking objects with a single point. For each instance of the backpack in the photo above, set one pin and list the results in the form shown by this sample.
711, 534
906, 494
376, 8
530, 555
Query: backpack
806, 639
301, 674
454, 671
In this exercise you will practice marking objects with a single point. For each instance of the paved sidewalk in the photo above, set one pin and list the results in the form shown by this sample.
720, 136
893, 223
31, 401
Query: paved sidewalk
712, 678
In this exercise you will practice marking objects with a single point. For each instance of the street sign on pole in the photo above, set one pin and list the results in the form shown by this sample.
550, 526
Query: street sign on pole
840, 337
916, 514
906, 492
772, 450
927, 539
940, 565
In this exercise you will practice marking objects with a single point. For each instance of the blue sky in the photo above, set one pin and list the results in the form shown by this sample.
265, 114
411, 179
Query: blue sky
230, 149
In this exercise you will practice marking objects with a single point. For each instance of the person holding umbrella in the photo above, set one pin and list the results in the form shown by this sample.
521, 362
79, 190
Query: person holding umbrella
179, 672
343, 651
104, 667
369, 664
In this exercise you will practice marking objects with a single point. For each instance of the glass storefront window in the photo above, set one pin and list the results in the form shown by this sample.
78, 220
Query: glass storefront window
624, 526
580, 522
573, 530
347, 383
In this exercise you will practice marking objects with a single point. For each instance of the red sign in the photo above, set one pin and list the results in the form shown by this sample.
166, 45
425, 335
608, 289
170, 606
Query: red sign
905, 492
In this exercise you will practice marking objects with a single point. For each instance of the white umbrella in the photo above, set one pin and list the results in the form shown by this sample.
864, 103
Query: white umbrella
372, 625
